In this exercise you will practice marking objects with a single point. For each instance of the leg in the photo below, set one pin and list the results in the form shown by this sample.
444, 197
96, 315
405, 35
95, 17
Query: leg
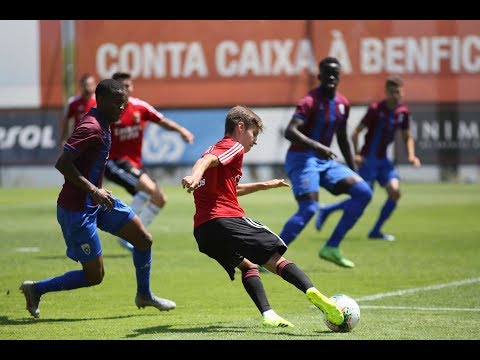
295, 276
361, 195
135, 233
158, 198
307, 206
92, 274
77, 244
393, 191
254, 287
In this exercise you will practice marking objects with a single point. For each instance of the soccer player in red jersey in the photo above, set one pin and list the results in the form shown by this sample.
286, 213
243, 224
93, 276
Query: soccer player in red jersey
84, 205
224, 233
78, 106
124, 165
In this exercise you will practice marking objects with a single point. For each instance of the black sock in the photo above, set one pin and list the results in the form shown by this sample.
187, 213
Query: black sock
294, 275
254, 287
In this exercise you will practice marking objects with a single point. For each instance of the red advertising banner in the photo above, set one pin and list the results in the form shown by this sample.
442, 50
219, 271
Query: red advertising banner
218, 63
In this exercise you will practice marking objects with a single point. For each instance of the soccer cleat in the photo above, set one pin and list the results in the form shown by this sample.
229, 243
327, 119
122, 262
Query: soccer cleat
381, 236
327, 307
32, 298
161, 304
332, 254
321, 217
125, 244
275, 321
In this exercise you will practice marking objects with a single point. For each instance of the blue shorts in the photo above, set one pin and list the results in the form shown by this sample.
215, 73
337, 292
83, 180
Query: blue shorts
79, 228
307, 172
381, 170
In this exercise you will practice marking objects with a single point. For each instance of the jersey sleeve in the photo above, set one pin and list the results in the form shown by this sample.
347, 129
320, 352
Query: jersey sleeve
226, 151
304, 107
83, 137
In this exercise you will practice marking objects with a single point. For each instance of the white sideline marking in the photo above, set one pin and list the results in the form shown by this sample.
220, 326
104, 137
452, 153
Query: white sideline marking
27, 249
411, 291
417, 308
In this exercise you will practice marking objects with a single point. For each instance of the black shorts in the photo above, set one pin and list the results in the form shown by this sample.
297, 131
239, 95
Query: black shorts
123, 173
230, 240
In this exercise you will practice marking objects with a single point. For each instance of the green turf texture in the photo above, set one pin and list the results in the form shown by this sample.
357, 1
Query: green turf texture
437, 227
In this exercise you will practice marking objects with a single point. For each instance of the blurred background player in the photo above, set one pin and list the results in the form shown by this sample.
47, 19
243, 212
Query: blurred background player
224, 233
319, 115
124, 165
78, 106
382, 120
83, 205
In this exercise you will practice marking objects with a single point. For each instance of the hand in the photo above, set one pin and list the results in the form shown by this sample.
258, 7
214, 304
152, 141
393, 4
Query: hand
104, 197
415, 161
275, 183
190, 183
326, 153
187, 136
358, 159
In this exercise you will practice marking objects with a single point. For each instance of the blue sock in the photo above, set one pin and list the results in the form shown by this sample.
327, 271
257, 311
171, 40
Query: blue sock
334, 206
385, 213
294, 225
361, 194
142, 261
68, 281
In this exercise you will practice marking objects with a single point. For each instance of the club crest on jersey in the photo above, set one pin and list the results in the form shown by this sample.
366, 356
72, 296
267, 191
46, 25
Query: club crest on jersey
136, 116
341, 108
86, 248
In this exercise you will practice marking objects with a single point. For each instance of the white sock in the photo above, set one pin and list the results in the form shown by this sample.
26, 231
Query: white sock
139, 199
269, 313
148, 213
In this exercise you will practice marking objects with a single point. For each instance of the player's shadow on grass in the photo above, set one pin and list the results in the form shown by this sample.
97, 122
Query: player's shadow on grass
4, 320
217, 329
105, 256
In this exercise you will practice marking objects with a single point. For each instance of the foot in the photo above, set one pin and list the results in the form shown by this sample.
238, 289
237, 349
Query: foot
32, 298
327, 307
275, 321
381, 236
333, 254
321, 217
161, 304
125, 244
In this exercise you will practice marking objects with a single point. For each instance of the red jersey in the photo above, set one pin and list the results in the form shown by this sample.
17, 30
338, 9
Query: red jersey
216, 194
127, 132
77, 107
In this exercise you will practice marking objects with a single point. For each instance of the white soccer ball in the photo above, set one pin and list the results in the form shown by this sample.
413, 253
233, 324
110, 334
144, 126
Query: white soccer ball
351, 313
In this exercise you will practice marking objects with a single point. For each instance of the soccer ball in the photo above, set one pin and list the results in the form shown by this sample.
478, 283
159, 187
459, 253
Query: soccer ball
351, 313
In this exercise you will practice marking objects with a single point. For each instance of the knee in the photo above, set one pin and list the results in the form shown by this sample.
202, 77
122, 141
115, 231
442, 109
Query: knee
308, 209
146, 241
95, 278
394, 195
362, 191
158, 198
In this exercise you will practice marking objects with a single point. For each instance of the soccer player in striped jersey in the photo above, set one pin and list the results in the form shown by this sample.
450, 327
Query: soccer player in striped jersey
78, 106
125, 166
381, 121
224, 233
84, 205
320, 114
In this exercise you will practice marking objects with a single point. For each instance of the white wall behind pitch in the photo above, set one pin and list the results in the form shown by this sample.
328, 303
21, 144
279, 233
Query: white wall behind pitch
20, 70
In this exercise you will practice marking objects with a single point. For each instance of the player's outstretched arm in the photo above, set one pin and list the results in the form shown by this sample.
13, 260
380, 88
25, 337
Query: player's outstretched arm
244, 189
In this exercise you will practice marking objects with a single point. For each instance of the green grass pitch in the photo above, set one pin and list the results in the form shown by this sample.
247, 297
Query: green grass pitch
424, 286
